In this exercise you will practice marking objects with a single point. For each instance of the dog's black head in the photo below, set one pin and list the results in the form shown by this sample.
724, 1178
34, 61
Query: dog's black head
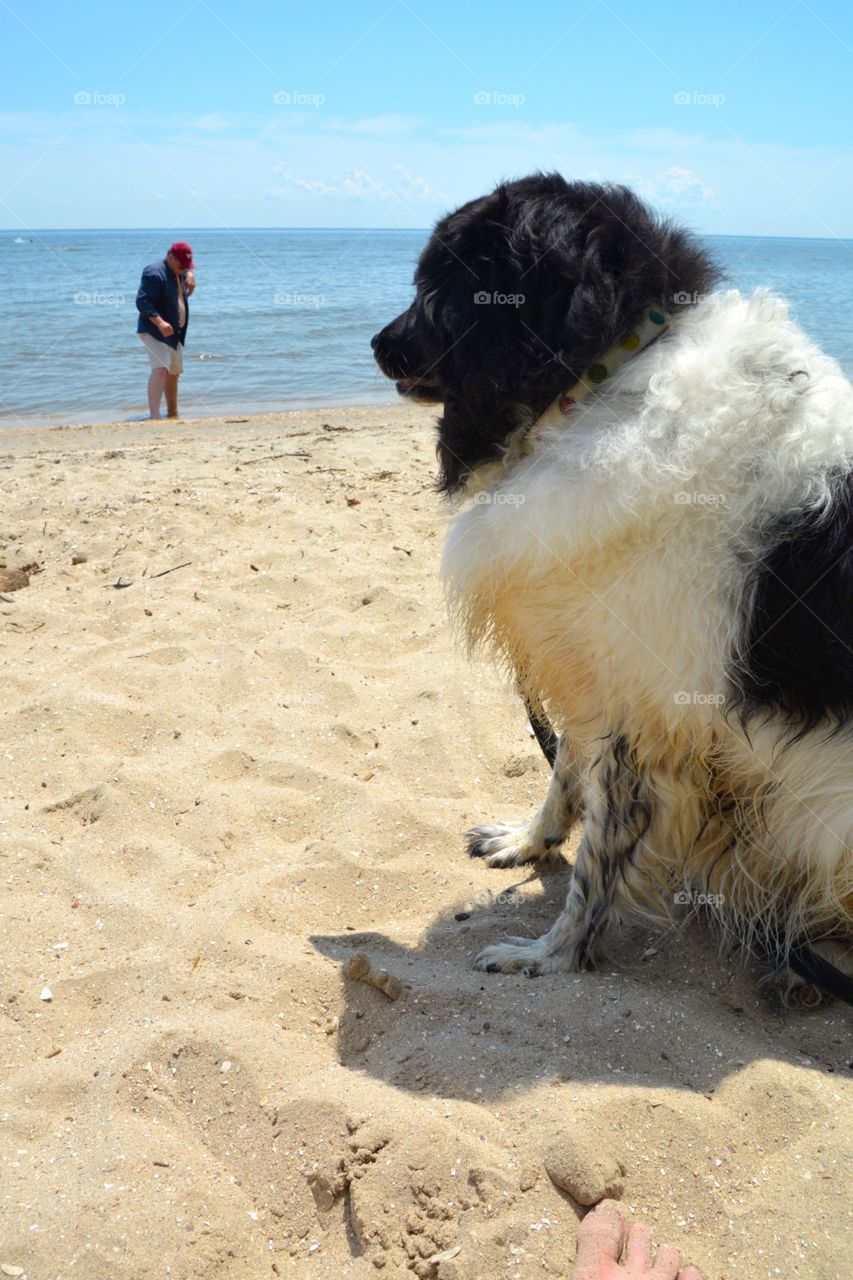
517, 293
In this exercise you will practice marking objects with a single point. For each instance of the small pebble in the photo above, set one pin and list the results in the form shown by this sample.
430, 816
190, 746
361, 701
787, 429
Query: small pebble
46, 994
9, 1270
226, 1066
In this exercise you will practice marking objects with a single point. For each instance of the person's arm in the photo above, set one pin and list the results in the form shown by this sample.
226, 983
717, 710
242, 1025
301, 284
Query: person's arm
189, 281
146, 303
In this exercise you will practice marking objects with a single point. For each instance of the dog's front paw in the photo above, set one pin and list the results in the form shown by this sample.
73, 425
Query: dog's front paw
785, 990
530, 956
510, 844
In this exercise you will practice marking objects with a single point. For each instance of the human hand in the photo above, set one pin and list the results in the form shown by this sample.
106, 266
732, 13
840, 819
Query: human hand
165, 328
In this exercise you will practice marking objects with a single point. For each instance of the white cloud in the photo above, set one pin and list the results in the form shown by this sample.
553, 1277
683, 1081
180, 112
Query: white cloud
315, 187
418, 188
358, 184
362, 186
678, 182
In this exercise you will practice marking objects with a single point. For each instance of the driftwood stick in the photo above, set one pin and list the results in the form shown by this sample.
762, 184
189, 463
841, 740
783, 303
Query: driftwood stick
271, 457
359, 969
163, 572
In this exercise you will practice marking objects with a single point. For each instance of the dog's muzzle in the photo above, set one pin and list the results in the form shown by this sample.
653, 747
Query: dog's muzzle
399, 359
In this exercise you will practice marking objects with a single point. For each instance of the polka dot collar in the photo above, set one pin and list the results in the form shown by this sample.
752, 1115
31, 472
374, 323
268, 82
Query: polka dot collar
652, 326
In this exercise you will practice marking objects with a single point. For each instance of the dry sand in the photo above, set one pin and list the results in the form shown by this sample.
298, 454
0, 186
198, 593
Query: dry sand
217, 785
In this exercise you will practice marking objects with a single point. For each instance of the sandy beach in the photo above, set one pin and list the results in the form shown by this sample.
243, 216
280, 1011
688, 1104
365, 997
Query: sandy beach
239, 746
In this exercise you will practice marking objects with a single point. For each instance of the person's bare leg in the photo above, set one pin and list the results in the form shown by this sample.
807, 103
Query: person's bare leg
172, 395
156, 386
603, 1240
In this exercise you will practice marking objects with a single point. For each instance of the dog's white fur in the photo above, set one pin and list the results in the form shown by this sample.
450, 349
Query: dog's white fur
606, 569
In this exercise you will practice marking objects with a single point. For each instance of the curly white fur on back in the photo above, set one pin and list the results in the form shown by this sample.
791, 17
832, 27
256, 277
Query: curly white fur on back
609, 567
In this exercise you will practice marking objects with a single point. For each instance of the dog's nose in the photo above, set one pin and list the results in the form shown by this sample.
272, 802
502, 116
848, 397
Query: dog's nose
373, 341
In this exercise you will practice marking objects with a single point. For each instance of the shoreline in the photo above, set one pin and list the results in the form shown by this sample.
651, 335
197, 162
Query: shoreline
14, 440
17, 422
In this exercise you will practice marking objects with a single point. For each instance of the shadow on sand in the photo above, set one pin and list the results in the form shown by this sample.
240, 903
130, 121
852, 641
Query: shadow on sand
681, 1017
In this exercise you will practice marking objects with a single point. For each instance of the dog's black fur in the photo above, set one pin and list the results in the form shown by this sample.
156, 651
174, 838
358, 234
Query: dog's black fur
795, 657
579, 262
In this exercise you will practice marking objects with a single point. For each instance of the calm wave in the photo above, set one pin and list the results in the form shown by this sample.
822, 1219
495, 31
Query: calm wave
281, 319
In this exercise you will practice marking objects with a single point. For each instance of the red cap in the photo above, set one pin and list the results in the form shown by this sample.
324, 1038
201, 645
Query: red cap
182, 251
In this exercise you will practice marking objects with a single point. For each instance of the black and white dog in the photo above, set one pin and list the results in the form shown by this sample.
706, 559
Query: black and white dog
657, 543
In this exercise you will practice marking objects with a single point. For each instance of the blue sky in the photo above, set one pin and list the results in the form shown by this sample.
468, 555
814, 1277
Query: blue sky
735, 117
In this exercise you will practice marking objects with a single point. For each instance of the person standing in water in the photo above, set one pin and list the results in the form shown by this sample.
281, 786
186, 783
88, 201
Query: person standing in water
162, 303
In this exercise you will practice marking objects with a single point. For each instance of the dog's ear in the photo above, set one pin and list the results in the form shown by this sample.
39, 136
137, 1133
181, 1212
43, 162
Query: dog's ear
589, 260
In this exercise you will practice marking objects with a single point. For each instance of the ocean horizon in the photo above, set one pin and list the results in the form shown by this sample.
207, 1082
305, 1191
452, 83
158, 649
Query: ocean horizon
282, 318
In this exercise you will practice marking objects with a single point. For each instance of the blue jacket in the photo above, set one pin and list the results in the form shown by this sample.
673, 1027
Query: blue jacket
158, 296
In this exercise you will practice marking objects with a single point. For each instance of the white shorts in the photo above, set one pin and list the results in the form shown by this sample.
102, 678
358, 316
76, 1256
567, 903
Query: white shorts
162, 356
